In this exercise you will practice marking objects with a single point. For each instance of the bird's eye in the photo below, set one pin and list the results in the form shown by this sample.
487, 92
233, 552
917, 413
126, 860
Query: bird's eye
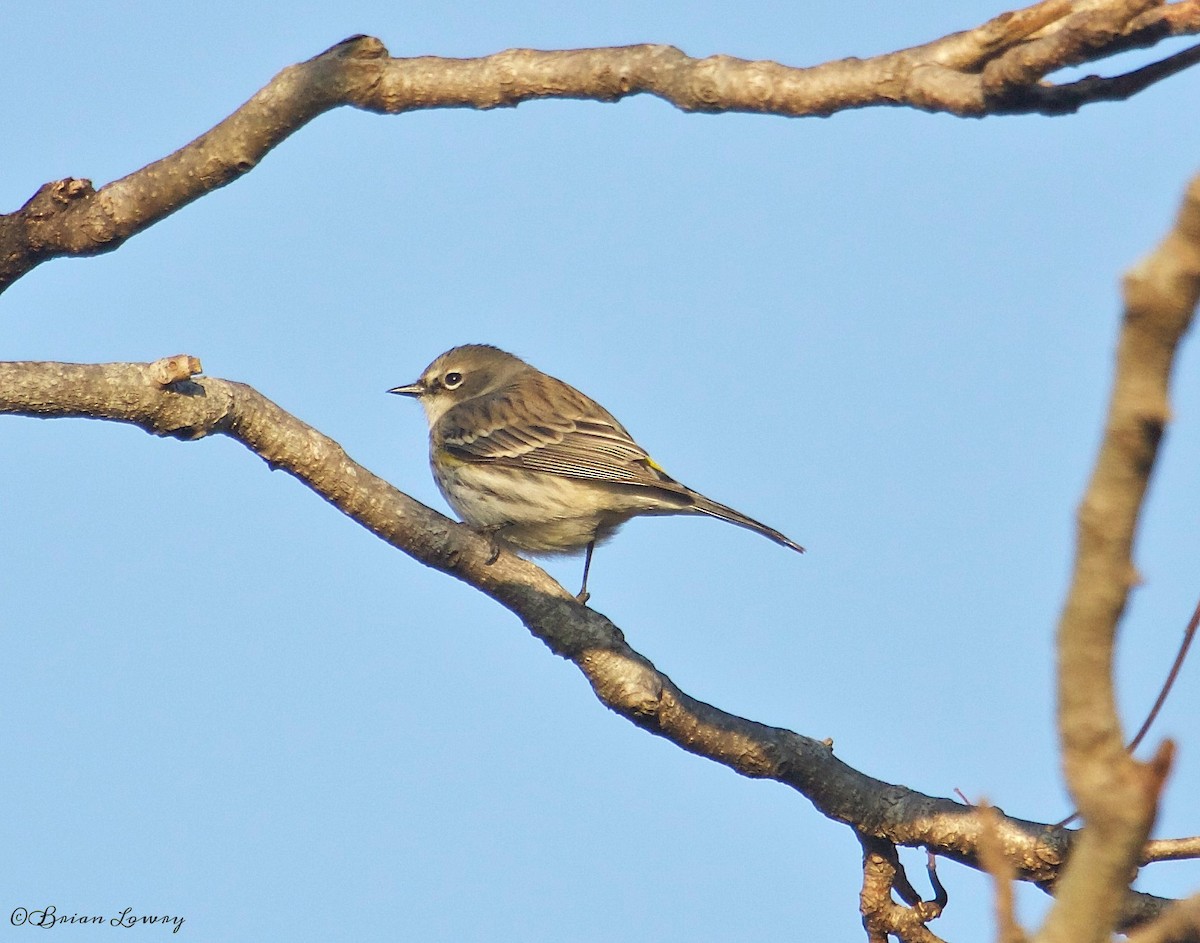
452, 380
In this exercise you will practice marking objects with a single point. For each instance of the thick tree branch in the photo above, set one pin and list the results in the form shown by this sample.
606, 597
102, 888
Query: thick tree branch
163, 398
1116, 795
996, 68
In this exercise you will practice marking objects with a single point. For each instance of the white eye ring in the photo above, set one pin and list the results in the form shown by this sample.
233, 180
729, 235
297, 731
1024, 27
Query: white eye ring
452, 380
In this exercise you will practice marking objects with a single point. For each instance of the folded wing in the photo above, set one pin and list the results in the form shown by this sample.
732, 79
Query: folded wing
553, 429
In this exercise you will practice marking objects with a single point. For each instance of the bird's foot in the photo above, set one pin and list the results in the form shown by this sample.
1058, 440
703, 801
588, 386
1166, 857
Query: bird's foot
494, 552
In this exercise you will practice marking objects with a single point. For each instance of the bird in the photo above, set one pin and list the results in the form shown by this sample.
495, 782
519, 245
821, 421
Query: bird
538, 466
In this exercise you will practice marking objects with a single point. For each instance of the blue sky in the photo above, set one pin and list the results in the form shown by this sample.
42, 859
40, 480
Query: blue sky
886, 333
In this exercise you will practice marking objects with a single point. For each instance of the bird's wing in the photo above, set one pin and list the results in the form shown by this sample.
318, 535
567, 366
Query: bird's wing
550, 428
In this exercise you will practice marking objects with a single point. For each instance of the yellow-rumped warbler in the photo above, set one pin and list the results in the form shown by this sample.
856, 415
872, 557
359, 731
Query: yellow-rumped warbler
537, 465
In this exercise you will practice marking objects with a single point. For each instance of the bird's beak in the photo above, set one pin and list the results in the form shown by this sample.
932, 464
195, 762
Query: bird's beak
413, 389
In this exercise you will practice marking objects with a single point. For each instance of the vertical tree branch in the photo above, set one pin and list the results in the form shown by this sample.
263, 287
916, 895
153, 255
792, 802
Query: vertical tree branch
1116, 795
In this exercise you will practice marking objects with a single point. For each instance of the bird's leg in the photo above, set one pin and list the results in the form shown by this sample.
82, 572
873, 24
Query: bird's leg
583, 595
490, 534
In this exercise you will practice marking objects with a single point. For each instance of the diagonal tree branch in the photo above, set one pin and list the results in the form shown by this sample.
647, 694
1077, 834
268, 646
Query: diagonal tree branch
166, 398
996, 68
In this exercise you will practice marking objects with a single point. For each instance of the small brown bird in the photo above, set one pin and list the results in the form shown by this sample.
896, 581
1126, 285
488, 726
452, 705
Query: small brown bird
537, 465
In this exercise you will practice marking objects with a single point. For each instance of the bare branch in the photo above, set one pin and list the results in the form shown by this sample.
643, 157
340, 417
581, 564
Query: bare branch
881, 915
69, 217
1180, 923
1189, 634
1069, 97
993, 859
1185, 643
1116, 795
1171, 849
160, 398
996, 68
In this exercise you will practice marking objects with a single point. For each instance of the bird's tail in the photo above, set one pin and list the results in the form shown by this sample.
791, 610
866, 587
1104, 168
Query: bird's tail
707, 506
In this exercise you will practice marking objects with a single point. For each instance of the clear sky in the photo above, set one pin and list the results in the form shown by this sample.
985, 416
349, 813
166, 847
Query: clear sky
887, 334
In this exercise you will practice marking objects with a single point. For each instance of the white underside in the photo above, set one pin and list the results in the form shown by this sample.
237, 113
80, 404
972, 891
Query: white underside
542, 513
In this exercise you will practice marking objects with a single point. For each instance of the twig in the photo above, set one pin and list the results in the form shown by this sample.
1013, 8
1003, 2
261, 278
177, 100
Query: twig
1180, 657
996, 863
881, 915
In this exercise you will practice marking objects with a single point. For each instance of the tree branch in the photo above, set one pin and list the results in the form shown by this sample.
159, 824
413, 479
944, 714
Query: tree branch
1180, 922
1116, 795
996, 68
882, 916
991, 855
1171, 849
166, 399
